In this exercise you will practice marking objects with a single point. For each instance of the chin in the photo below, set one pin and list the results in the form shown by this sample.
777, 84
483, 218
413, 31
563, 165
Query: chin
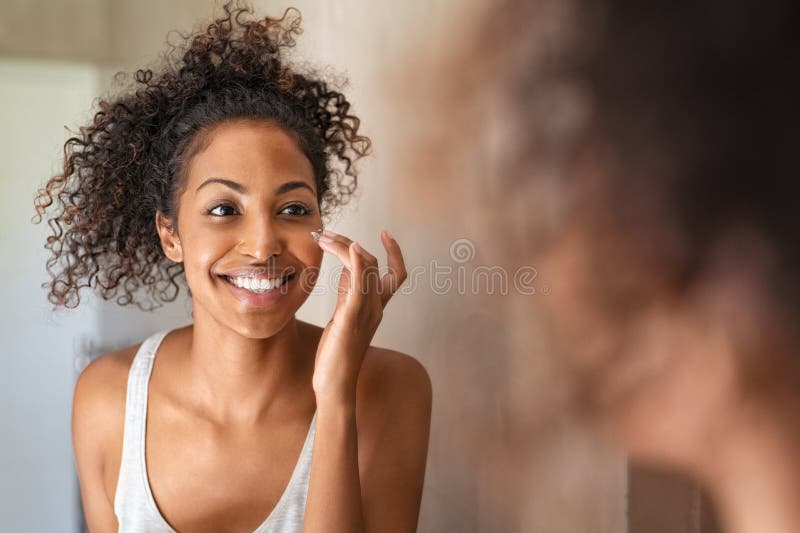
249, 322
257, 327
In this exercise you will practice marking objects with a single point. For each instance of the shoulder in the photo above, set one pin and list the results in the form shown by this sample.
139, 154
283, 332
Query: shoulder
393, 416
389, 373
98, 404
387, 378
394, 388
106, 376
98, 408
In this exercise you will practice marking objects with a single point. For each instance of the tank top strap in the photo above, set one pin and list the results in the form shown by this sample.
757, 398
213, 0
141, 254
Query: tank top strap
132, 485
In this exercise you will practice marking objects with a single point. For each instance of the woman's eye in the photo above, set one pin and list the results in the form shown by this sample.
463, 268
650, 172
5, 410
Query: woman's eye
221, 210
296, 210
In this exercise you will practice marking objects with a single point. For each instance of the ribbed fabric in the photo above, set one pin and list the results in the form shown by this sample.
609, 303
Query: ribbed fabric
133, 502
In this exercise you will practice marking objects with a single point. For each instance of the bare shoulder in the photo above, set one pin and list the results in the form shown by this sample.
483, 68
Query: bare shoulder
387, 367
388, 377
391, 379
106, 376
393, 416
98, 418
98, 404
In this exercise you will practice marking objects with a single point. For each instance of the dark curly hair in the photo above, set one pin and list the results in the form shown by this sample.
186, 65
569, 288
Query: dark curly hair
132, 159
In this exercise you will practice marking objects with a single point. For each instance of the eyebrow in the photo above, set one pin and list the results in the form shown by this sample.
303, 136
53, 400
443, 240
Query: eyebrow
241, 189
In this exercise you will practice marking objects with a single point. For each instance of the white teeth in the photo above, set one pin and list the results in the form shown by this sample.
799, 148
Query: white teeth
256, 285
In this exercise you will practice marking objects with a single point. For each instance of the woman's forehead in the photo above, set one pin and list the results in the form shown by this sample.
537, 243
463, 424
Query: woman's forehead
253, 153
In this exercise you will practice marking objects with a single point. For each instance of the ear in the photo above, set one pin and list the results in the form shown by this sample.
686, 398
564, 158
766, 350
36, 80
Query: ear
170, 242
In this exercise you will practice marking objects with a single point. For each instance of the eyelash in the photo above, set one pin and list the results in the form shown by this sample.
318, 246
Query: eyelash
306, 210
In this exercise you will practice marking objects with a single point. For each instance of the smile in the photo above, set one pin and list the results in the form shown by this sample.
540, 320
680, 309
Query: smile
258, 293
256, 285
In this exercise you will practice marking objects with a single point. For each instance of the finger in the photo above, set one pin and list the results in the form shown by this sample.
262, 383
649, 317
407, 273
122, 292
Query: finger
339, 239
357, 274
370, 275
396, 275
340, 250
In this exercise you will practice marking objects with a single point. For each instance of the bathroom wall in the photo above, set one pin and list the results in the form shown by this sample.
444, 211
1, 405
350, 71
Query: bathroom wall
38, 486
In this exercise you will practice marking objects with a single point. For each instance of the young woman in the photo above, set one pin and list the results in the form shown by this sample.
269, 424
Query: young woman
221, 167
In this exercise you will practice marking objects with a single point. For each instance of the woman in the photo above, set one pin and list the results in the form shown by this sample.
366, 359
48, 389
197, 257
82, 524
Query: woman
220, 167
647, 166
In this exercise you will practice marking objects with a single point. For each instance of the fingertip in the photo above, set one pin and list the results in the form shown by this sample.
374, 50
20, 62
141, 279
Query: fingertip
356, 260
353, 250
389, 241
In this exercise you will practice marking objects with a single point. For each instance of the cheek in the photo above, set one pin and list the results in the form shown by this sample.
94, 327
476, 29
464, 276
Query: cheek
301, 245
200, 251
308, 257
309, 254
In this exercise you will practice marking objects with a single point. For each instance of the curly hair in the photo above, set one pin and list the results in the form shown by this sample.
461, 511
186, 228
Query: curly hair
133, 158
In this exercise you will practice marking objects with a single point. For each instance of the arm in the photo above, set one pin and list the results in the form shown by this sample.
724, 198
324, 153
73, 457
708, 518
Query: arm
334, 492
90, 414
376, 473
394, 451
335, 496
333, 504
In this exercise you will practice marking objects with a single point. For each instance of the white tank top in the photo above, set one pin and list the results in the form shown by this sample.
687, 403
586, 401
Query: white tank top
134, 505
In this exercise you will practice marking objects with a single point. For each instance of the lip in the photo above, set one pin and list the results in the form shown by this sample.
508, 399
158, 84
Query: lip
258, 272
251, 299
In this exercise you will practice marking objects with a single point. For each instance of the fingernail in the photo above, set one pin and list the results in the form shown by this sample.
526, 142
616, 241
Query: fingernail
388, 234
328, 233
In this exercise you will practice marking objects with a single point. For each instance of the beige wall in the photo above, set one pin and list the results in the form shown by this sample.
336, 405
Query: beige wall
503, 457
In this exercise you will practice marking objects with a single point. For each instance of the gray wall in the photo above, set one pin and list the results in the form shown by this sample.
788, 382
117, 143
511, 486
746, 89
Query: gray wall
38, 372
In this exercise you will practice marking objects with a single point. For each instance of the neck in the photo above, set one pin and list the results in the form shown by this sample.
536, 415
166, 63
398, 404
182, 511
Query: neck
753, 474
237, 380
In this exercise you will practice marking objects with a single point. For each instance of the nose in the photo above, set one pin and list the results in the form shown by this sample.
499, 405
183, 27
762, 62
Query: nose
259, 238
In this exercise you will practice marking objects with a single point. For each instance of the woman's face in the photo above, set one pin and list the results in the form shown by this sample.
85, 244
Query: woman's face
247, 210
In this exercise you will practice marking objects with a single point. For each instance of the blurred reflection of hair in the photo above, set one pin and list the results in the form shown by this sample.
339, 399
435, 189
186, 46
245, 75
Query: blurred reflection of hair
644, 153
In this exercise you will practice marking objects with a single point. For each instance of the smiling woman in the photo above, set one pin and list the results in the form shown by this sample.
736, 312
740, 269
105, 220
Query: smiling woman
140, 142
221, 166
246, 217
